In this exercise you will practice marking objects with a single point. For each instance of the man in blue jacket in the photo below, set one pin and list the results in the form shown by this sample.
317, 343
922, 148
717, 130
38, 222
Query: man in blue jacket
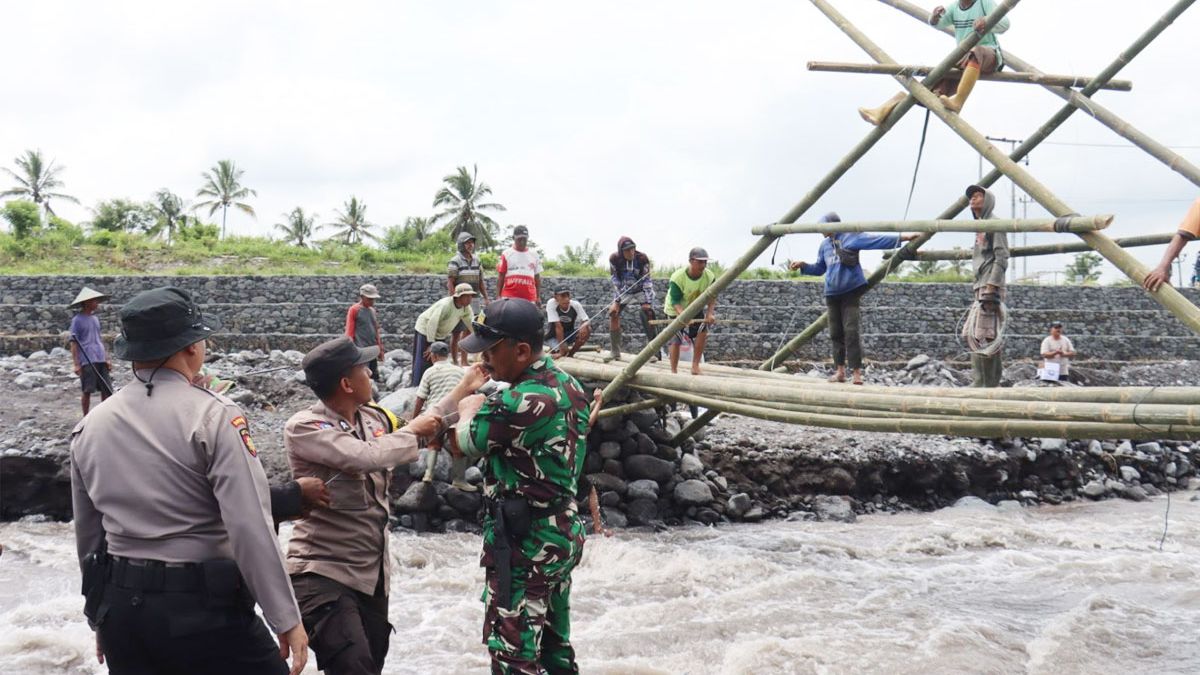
844, 286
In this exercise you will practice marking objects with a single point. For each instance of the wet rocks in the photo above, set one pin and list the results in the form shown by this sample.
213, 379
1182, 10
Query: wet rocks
827, 507
649, 468
693, 492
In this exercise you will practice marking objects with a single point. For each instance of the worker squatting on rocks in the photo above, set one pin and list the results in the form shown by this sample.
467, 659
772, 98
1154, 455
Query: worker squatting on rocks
532, 438
629, 269
88, 354
338, 556
687, 283
989, 259
1188, 230
984, 58
362, 323
568, 326
172, 513
845, 284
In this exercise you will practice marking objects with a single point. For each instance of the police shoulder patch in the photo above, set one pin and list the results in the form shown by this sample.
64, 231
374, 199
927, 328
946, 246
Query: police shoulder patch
322, 424
243, 429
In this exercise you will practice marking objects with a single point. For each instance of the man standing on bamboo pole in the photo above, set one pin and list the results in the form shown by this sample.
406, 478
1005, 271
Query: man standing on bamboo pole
844, 287
1188, 230
629, 270
984, 327
687, 283
985, 58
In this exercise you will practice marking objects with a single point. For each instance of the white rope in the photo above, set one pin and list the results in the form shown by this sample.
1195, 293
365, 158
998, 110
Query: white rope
971, 321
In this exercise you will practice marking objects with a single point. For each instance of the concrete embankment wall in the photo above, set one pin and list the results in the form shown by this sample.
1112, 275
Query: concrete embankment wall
900, 320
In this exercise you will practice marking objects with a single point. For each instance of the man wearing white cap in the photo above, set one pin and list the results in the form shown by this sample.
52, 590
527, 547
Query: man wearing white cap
91, 360
438, 323
362, 324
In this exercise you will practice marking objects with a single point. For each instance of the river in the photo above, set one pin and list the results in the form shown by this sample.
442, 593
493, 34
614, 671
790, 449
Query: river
1080, 588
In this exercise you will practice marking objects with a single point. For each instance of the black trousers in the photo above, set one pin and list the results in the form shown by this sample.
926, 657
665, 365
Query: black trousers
347, 630
169, 633
844, 327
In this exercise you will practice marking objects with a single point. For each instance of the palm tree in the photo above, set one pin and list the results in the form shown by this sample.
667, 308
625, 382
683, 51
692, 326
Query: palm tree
36, 181
460, 195
352, 220
418, 228
223, 187
298, 226
170, 209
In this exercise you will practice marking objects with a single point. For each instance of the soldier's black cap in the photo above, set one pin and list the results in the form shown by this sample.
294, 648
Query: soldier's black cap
331, 359
514, 318
157, 323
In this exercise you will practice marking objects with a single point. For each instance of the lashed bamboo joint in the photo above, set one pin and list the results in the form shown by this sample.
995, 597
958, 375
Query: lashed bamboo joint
1002, 76
1065, 224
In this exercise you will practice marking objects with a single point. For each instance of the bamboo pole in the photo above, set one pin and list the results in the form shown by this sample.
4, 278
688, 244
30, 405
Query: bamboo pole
1002, 76
1108, 413
950, 427
629, 408
1031, 141
1042, 249
817, 191
1080, 100
1072, 224
663, 322
1166, 295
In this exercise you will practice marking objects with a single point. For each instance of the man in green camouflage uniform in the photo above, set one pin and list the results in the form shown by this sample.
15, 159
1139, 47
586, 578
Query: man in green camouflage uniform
532, 437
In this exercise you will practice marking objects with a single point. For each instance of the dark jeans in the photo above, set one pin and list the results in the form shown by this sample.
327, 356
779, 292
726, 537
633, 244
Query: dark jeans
347, 630
419, 364
844, 327
149, 633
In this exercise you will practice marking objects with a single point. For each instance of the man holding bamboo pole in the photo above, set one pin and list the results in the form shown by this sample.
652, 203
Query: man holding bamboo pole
845, 284
687, 283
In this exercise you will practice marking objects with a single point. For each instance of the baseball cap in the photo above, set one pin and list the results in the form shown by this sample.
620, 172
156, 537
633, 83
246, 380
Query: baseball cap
831, 217
1056, 324
463, 289
697, 253
332, 358
972, 189
440, 348
369, 291
464, 237
625, 243
520, 231
514, 318
558, 290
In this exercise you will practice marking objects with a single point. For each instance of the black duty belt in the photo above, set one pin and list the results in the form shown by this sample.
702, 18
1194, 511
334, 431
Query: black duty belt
156, 576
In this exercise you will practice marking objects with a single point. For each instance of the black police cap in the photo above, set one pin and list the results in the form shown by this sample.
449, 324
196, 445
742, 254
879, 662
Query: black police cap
331, 359
513, 318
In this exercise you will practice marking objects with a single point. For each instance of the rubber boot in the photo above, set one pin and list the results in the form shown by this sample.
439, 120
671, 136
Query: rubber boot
969, 77
615, 342
876, 116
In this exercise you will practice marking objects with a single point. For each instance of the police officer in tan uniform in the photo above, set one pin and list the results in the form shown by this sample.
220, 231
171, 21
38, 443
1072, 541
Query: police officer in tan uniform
338, 556
166, 477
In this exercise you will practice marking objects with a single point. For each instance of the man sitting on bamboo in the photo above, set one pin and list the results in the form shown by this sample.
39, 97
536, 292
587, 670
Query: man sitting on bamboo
984, 58
845, 284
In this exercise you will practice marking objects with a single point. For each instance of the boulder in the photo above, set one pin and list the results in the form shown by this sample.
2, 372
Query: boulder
827, 507
693, 493
1053, 444
642, 489
607, 482
1095, 489
642, 511
610, 499
473, 475
614, 467
420, 497
610, 450
466, 503
644, 419
739, 504
613, 518
691, 466
1129, 474
31, 380
647, 467
401, 401
917, 361
708, 516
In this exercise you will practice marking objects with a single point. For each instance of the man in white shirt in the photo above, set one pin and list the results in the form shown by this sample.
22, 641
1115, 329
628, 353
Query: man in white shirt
567, 327
1057, 348
520, 270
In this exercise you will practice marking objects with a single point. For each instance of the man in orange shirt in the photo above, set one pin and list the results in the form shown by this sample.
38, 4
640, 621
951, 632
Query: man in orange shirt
362, 324
1188, 230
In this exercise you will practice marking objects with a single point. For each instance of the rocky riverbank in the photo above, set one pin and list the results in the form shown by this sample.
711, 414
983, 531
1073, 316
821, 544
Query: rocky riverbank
737, 470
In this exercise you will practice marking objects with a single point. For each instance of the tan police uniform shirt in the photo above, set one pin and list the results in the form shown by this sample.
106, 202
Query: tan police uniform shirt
348, 541
175, 476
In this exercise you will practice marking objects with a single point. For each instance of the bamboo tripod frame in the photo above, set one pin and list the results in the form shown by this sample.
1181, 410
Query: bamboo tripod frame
1005, 165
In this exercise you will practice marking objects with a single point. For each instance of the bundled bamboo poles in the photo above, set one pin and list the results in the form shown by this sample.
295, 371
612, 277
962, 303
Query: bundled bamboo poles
917, 71
907, 409
1065, 224
1041, 249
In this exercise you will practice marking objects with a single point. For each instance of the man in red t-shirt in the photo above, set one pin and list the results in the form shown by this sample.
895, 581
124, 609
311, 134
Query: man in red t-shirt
520, 269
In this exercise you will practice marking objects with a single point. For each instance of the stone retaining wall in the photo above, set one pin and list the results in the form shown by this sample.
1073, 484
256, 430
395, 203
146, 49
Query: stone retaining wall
900, 320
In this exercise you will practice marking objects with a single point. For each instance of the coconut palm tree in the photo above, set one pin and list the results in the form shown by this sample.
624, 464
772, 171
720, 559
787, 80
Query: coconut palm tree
223, 187
418, 228
37, 181
171, 211
352, 221
461, 195
298, 227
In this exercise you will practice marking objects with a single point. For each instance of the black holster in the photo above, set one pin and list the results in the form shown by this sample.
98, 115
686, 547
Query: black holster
502, 547
97, 567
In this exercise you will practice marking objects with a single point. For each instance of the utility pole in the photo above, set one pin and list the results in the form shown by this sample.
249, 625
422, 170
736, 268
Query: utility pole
1012, 191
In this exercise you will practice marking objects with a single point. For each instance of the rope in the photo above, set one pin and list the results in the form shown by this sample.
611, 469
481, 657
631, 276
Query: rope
971, 321
920, 151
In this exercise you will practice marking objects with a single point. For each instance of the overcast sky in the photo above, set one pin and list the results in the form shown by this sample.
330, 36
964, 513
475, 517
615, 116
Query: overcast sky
677, 123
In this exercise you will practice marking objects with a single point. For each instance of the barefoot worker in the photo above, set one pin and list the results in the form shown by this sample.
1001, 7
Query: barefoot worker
91, 360
845, 284
532, 438
984, 58
687, 283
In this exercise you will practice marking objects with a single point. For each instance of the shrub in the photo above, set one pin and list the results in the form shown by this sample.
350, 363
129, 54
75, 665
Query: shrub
24, 217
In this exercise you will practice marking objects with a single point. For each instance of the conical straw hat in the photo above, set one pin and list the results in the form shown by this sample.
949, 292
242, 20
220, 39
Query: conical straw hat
87, 294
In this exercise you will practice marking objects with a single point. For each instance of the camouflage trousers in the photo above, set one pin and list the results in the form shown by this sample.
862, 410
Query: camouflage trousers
533, 635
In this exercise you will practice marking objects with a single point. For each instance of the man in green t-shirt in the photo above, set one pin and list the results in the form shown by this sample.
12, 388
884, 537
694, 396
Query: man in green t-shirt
687, 283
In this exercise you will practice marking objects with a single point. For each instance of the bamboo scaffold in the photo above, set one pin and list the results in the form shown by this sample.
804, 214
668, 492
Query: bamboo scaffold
1001, 76
1041, 249
1065, 224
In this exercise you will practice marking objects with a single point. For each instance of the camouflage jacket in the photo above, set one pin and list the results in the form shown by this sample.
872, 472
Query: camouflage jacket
533, 439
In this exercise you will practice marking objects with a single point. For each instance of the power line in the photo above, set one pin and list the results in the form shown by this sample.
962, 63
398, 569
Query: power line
1116, 145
